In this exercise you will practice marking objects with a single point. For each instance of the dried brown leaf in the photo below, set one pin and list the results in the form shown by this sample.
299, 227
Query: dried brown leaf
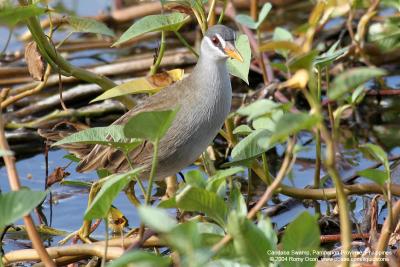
35, 62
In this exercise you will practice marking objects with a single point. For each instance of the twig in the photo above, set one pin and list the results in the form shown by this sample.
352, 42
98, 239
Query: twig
15, 186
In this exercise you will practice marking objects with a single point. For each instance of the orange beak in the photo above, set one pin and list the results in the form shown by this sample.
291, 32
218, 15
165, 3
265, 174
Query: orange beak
232, 52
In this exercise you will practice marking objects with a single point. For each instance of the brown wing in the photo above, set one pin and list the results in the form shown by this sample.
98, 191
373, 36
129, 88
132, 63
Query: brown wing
105, 157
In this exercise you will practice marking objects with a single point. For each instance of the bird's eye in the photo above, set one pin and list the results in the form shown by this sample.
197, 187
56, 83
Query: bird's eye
215, 40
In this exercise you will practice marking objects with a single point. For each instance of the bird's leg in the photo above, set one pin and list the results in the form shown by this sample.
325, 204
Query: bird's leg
172, 186
130, 194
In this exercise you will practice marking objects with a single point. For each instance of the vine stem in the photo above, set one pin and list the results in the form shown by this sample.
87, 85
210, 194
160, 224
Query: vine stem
150, 183
330, 163
15, 185
153, 171
156, 65
265, 197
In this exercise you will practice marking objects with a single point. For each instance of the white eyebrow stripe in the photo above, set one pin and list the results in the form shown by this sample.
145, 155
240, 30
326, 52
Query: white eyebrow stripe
221, 40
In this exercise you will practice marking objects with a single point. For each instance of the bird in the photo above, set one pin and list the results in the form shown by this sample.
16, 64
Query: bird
204, 101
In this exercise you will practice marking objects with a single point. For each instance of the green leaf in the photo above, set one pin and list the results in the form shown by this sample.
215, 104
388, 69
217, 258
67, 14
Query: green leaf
263, 13
246, 21
151, 125
140, 259
258, 108
200, 200
112, 135
195, 178
269, 121
249, 241
330, 56
302, 234
351, 79
156, 218
292, 123
377, 176
266, 227
252, 145
242, 129
72, 158
187, 240
11, 15
153, 23
249, 22
236, 200
15, 205
237, 68
378, 153
75, 183
87, 25
6, 153
281, 34
109, 191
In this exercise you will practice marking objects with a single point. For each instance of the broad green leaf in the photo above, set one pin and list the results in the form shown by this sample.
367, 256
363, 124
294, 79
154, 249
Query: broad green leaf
268, 122
112, 135
195, 178
6, 153
246, 21
187, 240
266, 227
168, 203
302, 234
149, 85
88, 25
217, 182
242, 129
303, 61
292, 123
222, 174
200, 200
14, 205
156, 218
249, 241
379, 154
377, 176
109, 191
258, 108
281, 34
11, 15
151, 125
252, 145
153, 23
237, 68
351, 79
140, 258
236, 200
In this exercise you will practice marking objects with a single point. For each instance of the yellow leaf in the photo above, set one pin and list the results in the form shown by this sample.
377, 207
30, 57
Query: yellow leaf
276, 45
298, 80
149, 85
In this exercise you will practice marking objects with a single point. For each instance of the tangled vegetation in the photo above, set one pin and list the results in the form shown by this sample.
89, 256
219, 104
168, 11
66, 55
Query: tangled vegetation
311, 80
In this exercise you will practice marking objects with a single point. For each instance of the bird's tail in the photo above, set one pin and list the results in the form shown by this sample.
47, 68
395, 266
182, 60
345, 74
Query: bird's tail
55, 134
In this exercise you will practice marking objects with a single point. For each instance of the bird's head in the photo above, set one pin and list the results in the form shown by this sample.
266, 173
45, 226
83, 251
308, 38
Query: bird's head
219, 43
